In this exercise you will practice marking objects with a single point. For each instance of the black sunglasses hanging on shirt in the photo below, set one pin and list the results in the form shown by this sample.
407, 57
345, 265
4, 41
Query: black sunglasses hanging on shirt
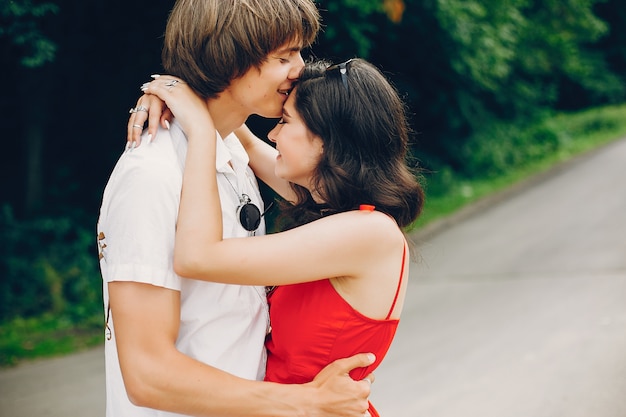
248, 214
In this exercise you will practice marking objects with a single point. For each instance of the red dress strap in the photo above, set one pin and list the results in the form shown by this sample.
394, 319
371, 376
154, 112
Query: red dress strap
399, 284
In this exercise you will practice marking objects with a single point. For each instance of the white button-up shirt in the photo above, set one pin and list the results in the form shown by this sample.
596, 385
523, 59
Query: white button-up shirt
221, 325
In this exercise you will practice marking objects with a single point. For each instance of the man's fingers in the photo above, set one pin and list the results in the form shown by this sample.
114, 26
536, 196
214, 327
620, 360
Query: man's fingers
367, 382
370, 378
357, 361
348, 395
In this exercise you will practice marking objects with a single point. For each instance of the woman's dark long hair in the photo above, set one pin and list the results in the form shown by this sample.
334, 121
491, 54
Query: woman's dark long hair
363, 125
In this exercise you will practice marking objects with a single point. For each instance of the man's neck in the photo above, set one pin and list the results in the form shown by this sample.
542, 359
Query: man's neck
227, 115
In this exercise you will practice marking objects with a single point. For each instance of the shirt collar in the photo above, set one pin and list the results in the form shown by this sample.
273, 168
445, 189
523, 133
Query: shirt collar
230, 150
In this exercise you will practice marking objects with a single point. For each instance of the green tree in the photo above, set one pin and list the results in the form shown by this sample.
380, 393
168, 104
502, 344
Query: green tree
348, 27
22, 28
468, 64
20, 22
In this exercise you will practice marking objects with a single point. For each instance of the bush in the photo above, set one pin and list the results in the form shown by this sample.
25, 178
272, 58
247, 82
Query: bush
48, 265
501, 147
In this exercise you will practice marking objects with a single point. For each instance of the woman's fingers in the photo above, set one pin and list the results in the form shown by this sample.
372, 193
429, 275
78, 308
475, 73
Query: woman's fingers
150, 108
182, 102
138, 116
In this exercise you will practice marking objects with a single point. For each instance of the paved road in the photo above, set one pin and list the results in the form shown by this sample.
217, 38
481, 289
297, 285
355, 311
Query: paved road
520, 310
516, 310
71, 386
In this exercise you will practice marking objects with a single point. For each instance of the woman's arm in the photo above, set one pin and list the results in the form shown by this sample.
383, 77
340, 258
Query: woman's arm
200, 213
262, 160
262, 155
351, 244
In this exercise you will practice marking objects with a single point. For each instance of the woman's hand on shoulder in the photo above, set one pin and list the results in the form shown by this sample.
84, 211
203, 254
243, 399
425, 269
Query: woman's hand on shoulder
149, 108
189, 109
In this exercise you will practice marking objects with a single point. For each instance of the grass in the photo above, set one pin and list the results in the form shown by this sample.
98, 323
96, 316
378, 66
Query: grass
581, 132
50, 335
46, 336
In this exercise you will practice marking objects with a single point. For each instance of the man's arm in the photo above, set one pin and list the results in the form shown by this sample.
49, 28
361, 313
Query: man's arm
156, 375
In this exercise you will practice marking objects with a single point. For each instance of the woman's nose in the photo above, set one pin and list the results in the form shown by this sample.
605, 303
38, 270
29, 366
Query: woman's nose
272, 134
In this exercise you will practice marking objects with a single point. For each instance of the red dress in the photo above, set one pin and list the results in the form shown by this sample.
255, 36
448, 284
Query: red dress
312, 325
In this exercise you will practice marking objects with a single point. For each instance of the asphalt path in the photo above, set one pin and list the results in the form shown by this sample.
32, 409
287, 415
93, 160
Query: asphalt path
516, 308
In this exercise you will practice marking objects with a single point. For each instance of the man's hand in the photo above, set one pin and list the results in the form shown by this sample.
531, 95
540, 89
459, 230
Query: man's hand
338, 394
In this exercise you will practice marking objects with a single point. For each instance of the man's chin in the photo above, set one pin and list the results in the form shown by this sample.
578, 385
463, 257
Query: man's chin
271, 115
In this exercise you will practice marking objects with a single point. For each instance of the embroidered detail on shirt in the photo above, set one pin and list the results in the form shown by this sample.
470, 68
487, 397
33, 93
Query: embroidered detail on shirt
101, 245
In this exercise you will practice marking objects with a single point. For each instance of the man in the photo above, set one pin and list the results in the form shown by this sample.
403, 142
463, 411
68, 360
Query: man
184, 346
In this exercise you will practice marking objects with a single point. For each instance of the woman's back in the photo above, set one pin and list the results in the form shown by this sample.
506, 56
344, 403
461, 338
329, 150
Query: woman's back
312, 325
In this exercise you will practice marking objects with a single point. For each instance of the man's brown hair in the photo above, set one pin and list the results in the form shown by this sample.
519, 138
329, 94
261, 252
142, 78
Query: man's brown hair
208, 43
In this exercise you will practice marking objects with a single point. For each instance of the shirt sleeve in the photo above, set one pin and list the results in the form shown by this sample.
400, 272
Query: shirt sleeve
137, 222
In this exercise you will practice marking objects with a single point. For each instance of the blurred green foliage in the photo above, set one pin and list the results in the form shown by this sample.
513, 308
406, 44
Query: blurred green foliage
47, 335
48, 265
567, 134
20, 22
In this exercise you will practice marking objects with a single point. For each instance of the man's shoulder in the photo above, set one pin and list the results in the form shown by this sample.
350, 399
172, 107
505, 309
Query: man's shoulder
150, 172
159, 158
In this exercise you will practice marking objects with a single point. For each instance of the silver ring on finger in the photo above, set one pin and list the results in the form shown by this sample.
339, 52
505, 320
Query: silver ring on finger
141, 108
133, 110
172, 83
138, 127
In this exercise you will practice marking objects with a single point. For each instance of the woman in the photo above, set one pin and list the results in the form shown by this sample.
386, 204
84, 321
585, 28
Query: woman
340, 270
